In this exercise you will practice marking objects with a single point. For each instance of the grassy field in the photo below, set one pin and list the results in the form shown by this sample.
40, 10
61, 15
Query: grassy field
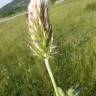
74, 27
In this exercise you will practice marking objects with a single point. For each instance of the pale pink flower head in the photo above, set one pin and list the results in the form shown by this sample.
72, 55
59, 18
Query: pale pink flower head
38, 10
39, 25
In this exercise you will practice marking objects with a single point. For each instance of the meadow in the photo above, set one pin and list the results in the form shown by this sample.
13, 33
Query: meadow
74, 28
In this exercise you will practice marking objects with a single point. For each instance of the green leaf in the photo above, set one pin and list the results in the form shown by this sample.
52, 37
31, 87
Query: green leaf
72, 92
60, 92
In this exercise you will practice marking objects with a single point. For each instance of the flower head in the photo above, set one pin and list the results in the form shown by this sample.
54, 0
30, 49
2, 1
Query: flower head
40, 28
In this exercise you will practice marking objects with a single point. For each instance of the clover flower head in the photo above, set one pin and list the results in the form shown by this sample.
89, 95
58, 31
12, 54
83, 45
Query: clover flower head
41, 43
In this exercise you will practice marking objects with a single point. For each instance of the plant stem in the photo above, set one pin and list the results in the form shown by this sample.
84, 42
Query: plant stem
51, 76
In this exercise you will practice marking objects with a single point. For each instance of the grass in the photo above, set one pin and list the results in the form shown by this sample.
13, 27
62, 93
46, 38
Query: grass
74, 26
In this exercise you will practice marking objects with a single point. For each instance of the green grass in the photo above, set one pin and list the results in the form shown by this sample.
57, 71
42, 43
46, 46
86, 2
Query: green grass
74, 27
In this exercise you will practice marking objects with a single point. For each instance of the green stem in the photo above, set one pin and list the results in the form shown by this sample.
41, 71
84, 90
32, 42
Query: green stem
51, 76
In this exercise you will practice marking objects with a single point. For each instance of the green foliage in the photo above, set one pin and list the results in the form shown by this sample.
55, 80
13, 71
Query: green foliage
60, 92
7, 14
91, 6
71, 92
75, 61
52, 1
16, 6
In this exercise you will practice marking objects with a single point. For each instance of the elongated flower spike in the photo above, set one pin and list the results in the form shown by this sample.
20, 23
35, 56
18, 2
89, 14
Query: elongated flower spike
41, 43
40, 28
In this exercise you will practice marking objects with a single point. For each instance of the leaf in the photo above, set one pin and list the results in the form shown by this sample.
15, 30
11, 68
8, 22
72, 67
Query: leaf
60, 92
72, 92
77, 94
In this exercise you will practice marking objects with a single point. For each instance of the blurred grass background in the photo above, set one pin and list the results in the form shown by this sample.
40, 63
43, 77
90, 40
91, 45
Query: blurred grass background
74, 27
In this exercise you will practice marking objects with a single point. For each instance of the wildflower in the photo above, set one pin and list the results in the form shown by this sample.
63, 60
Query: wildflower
41, 43
40, 28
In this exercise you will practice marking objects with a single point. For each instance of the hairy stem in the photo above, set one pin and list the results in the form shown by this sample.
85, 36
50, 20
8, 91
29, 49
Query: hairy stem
51, 76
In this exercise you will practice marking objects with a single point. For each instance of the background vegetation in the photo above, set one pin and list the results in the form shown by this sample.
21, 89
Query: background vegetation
74, 25
15, 7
